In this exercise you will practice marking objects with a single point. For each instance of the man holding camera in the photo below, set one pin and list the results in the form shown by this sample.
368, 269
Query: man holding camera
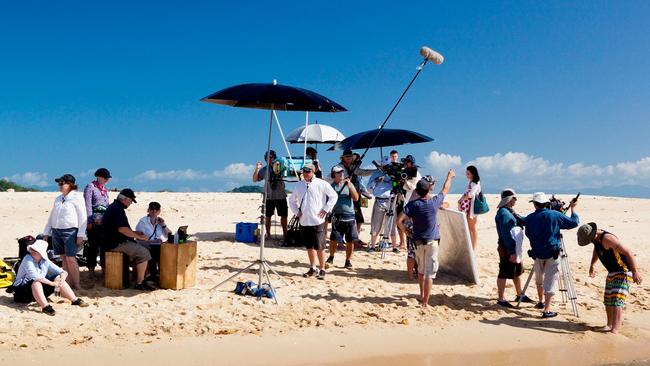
543, 230
311, 201
350, 163
276, 201
344, 229
426, 234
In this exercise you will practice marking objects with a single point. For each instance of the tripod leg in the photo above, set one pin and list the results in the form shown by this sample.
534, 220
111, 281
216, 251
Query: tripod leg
268, 279
269, 268
523, 291
234, 275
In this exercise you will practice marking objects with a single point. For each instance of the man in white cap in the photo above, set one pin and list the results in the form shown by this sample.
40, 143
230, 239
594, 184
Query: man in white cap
311, 201
543, 230
344, 228
38, 278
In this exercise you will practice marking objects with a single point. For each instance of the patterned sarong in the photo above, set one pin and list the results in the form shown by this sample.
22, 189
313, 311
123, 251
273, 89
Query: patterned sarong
617, 287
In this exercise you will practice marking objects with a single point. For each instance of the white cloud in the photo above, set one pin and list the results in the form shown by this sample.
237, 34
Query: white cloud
87, 173
235, 171
440, 163
525, 172
35, 179
187, 174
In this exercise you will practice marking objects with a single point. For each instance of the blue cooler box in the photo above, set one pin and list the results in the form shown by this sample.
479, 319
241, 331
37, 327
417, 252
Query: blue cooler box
245, 232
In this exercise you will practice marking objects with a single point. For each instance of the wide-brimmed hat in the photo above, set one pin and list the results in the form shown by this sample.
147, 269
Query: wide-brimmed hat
39, 246
506, 196
540, 197
586, 233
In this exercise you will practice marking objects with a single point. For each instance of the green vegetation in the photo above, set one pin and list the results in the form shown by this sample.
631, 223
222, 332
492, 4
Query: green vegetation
247, 189
6, 184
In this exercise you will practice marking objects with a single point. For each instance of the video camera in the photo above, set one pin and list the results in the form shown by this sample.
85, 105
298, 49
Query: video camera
559, 205
397, 173
285, 167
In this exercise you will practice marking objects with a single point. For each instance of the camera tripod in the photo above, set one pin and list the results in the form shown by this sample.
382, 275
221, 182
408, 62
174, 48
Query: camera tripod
565, 282
388, 223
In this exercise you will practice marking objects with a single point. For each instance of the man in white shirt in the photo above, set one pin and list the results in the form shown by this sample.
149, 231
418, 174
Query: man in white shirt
311, 200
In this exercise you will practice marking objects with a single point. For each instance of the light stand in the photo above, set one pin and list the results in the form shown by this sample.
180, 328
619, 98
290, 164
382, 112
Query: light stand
264, 266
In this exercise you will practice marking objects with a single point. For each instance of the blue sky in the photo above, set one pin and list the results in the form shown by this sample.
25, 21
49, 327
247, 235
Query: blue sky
548, 95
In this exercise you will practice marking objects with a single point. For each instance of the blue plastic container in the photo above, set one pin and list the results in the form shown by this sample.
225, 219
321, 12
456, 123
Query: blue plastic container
245, 232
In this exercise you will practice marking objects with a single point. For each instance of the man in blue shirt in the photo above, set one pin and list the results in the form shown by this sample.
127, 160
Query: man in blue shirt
543, 230
425, 233
380, 185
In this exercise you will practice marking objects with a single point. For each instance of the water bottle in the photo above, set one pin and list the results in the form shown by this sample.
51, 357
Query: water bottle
176, 238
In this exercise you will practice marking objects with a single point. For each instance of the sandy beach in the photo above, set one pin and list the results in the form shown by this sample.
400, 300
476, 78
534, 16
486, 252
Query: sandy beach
369, 315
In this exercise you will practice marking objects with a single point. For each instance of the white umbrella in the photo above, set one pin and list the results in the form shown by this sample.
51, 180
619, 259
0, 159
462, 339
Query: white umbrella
315, 134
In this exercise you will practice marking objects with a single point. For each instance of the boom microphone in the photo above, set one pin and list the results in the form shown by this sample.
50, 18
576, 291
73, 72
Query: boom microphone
431, 55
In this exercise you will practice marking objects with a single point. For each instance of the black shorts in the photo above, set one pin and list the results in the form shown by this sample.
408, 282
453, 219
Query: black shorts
344, 231
313, 237
358, 214
277, 205
509, 270
23, 293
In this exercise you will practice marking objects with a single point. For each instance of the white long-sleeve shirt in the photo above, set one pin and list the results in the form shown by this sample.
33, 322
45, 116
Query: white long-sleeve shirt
68, 212
310, 198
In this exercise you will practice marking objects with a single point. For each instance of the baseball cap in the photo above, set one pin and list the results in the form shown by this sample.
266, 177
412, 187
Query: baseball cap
66, 178
410, 158
271, 154
540, 197
309, 167
337, 169
423, 185
586, 233
311, 150
154, 206
128, 192
103, 172
347, 152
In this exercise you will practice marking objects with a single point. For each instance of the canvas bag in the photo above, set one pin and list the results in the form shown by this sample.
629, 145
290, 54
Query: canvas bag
6, 275
480, 204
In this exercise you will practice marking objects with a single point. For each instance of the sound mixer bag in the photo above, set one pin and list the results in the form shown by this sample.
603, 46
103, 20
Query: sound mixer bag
293, 238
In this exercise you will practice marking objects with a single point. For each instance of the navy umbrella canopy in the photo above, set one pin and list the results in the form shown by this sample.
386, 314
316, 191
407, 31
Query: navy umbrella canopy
384, 137
273, 96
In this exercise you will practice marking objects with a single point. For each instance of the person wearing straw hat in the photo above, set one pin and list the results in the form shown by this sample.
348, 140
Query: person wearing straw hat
38, 278
543, 231
510, 267
621, 270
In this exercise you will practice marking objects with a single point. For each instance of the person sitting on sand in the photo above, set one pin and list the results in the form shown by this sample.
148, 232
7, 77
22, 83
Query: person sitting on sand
543, 230
621, 270
425, 232
154, 227
509, 266
120, 237
344, 228
312, 199
276, 200
38, 278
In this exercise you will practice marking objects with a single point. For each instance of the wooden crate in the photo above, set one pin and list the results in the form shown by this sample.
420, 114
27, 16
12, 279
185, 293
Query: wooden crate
178, 265
113, 270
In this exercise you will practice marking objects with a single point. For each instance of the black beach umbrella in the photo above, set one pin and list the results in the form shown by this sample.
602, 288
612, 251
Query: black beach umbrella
380, 138
273, 97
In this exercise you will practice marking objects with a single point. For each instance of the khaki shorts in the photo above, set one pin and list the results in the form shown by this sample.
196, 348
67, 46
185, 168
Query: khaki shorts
426, 257
547, 274
136, 252
379, 210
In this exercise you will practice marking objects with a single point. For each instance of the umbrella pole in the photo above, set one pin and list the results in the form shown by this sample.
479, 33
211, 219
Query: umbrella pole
277, 121
266, 195
304, 150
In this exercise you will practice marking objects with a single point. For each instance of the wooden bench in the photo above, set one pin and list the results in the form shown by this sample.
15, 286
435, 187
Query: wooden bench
116, 270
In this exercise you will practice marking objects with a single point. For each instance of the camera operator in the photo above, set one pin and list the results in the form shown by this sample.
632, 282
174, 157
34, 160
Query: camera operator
543, 230
410, 178
350, 162
276, 201
380, 184
312, 154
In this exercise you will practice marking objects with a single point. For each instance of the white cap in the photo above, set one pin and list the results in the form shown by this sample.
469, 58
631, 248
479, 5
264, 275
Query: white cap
540, 197
337, 169
39, 246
